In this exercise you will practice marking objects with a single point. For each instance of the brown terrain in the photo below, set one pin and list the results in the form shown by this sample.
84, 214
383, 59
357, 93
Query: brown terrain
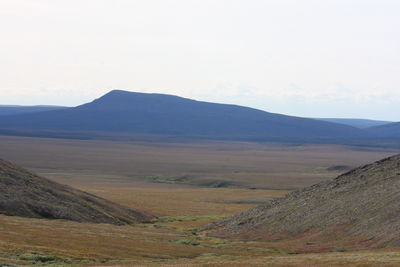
359, 209
172, 181
25, 194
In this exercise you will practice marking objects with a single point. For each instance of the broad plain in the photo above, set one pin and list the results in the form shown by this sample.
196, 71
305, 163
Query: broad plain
188, 185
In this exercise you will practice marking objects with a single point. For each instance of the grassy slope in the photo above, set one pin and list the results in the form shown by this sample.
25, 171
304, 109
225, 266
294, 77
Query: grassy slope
23, 193
355, 210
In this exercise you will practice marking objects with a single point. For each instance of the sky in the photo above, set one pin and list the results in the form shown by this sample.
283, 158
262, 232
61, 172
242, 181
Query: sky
311, 58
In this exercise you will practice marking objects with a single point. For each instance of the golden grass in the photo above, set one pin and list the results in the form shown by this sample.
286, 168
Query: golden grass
83, 242
372, 258
174, 236
185, 201
171, 241
117, 171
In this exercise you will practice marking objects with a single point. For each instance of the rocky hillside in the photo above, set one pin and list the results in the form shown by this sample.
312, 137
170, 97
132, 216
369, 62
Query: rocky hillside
25, 194
360, 208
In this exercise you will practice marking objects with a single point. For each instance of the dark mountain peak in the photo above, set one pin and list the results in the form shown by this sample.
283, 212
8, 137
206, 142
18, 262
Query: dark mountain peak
128, 95
124, 112
120, 99
25, 194
117, 95
120, 94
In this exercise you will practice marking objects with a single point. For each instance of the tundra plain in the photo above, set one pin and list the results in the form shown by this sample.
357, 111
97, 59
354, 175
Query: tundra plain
188, 185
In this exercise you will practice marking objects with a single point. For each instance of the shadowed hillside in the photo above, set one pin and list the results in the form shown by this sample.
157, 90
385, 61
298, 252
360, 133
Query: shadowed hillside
25, 194
124, 113
360, 208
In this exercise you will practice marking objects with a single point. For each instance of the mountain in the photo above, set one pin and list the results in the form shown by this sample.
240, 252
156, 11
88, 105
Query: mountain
12, 110
360, 208
124, 113
358, 123
25, 194
391, 130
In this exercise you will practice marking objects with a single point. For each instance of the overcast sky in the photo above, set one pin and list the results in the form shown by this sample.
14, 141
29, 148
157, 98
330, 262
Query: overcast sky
331, 58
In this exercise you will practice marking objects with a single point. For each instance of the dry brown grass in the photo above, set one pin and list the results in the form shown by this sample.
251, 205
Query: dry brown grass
170, 201
371, 258
117, 171
83, 243
115, 163
147, 245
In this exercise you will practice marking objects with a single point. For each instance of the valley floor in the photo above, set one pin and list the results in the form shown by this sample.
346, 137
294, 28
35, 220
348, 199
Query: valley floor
170, 241
148, 176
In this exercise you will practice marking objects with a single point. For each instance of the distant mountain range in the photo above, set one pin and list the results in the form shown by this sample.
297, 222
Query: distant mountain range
12, 110
122, 113
358, 123
391, 130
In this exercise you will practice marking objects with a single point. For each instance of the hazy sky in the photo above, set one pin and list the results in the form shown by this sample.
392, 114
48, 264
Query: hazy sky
330, 58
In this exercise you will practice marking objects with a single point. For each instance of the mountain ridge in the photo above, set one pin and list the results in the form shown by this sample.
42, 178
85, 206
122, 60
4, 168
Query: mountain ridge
358, 123
122, 112
6, 110
391, 130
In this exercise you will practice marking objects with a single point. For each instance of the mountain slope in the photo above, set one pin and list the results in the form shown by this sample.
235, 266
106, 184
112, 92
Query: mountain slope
360, 208
358, 123
25, 194
13, 110
391, 130
121, 112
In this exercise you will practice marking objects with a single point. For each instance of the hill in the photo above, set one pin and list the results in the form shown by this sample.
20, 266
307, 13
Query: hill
360, 208
127, 113
358, 123
391, 130
25, 194
13, 110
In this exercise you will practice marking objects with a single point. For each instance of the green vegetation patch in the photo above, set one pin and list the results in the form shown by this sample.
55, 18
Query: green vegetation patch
210, 256
210, 183
19, 258
186, 242
11, 258
169, 219
4, 264
168, 180
340, 249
